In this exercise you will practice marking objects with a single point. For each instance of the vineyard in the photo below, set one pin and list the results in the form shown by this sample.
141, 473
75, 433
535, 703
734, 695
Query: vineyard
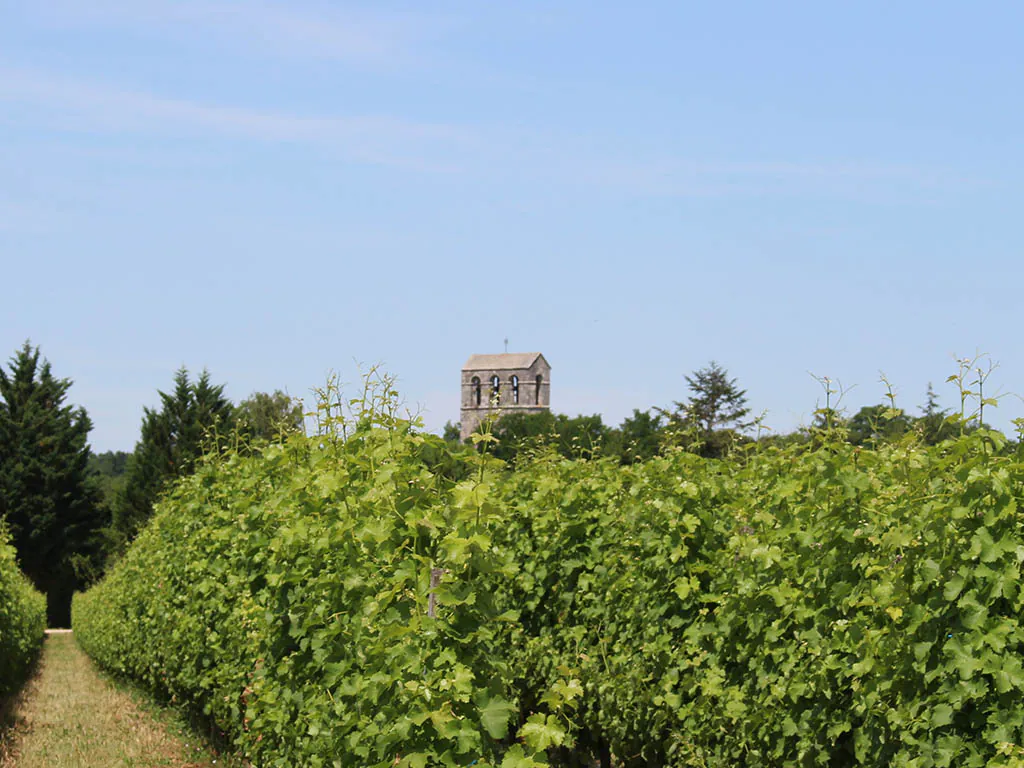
370, 596
22, 620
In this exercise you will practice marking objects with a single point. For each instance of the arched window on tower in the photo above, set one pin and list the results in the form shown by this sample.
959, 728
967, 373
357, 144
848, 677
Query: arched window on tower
515, 390
536, 397
495, 390
476, 391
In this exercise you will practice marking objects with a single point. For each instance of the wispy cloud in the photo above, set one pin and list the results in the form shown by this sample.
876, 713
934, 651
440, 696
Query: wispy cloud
299, 28
538, 157
69, 104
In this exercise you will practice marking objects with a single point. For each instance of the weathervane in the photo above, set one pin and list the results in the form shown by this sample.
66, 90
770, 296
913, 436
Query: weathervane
506, 345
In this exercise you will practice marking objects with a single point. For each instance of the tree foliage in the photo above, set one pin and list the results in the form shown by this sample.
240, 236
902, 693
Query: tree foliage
873, 424
109, 464
269, 417
638, 438
108, 472
934, 422
712, 419
717, 401
575, 437
51, 507
195, 415
452, 432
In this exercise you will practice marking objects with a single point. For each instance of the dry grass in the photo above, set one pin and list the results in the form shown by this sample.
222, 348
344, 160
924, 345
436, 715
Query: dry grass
69, 716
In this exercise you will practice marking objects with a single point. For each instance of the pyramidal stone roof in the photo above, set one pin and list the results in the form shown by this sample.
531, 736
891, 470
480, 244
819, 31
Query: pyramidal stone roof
507, 361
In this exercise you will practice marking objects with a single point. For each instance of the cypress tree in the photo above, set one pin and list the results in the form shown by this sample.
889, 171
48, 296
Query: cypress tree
172, 438
47, 496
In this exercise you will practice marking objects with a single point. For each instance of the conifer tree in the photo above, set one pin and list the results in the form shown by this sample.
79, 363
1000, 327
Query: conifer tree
46, 496
189, 419
933, 423
715, 413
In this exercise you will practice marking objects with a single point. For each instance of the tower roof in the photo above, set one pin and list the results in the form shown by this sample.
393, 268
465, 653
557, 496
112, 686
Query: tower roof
505, 362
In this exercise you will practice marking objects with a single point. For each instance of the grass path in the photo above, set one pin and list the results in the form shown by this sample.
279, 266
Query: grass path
71, 716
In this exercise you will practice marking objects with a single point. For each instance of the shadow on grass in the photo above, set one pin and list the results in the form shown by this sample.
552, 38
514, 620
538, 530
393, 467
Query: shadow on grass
69, 714
12, 726
189, 723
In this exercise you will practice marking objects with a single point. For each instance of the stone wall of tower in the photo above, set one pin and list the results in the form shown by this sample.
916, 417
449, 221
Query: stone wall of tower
518, 391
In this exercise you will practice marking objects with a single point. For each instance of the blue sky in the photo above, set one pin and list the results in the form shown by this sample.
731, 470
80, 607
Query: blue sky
273, 190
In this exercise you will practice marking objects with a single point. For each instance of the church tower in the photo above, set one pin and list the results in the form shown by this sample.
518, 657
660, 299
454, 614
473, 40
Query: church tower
515, 382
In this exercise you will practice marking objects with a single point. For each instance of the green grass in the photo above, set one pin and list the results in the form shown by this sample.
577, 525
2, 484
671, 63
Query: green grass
69, 715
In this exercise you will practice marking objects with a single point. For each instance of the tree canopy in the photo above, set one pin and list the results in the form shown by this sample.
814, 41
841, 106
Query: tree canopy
576, 437
638, 438
193, 415
265, 417
46, 496
711, 420
934, 422
873, 424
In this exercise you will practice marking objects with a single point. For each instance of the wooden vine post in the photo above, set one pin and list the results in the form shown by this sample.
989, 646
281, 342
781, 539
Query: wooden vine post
435, 581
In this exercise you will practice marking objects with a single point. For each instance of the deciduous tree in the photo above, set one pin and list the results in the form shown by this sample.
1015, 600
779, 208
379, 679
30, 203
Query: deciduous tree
575, 437
267, 417
874, 424
638, 438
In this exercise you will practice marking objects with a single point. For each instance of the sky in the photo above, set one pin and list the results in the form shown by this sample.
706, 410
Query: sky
278, 190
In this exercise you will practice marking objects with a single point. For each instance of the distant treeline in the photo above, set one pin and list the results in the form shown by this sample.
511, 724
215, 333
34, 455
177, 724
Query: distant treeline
716, 420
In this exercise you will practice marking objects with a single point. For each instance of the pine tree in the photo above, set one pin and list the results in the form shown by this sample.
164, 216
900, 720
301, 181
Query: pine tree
715, 412
934, 424
51, 506
190, 418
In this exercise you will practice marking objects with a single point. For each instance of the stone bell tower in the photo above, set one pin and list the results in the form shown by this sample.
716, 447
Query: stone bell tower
515, 382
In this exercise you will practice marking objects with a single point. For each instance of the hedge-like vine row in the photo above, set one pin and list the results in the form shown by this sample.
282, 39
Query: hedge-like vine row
22, 620
818, 605
319, 602
830, 606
